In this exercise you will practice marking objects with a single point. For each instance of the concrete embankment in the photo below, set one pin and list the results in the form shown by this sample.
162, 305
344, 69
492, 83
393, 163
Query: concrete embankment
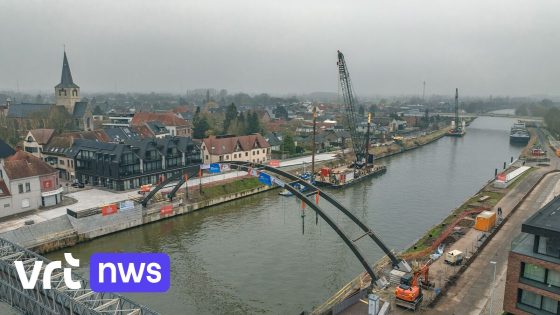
65, 231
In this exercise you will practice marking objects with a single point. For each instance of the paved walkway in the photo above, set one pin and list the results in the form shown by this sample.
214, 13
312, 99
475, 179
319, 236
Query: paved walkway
89, 198
93, 197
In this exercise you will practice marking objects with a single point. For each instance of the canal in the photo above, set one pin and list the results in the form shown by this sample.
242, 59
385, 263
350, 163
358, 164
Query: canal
251, 256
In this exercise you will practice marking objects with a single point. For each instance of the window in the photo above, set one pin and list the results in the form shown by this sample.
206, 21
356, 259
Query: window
25, 203
553, 278
531, 299
549, 246
20, 188
537, 301
6, 205
549, 305
534, 272
27, 187
61, 162
246, 153
207, 157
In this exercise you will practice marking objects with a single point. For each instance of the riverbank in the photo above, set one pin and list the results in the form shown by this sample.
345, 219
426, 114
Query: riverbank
408, 144
465, 238
456, 231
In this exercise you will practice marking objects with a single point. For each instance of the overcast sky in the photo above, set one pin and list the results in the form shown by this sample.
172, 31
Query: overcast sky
284, 46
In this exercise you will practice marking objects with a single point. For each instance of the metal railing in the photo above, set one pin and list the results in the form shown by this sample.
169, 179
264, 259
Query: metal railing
59, 299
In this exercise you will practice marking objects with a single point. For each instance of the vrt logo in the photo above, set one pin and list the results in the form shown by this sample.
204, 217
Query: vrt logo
29, 283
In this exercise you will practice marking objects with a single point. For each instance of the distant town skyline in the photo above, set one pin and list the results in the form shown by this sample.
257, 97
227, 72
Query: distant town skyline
284, 47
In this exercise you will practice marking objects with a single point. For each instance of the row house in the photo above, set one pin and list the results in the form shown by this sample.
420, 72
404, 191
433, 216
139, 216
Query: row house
42, 143
251, 148
132, 163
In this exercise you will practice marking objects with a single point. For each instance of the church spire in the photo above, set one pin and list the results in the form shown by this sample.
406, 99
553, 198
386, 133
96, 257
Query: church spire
66, 77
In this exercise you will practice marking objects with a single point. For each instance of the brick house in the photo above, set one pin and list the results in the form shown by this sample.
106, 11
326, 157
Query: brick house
533, 274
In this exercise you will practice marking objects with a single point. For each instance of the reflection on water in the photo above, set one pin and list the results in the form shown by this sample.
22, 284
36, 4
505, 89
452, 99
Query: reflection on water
250, 256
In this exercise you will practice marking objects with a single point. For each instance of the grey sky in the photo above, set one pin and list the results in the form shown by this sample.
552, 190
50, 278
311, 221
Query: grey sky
285, 46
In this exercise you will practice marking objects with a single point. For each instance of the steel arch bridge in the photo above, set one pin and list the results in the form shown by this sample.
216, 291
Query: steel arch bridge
59, 300
306, 197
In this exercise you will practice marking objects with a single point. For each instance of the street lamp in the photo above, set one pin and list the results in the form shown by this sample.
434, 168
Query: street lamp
493, 289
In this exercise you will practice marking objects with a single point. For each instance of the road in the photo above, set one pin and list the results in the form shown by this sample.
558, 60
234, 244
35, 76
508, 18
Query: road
471, 294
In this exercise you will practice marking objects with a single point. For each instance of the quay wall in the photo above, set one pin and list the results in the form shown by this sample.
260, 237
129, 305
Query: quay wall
66, 231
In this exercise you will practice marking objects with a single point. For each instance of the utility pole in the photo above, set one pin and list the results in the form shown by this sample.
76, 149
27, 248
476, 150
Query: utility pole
424, 94
313, 146
493, 289
367, 138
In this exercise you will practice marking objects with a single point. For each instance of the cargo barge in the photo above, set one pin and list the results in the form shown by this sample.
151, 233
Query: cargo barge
519, 134
343, 176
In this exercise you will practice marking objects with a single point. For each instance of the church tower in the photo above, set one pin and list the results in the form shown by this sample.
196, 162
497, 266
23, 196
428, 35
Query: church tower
67, 93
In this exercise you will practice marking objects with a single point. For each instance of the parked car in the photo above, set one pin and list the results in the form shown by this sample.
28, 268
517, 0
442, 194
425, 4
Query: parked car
78, 185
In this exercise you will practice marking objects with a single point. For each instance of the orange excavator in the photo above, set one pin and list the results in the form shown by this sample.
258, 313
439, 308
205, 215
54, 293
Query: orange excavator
409, 293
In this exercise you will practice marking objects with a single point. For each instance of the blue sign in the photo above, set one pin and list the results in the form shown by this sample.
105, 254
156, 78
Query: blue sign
265, 179
214, 168
129, 272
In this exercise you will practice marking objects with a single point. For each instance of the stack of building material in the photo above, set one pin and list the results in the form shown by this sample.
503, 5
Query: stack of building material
395, 276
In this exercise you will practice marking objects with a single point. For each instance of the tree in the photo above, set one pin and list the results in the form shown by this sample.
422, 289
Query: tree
253, 124
281, 112
200, 128
200, 125
288, 145
361, 110
59, 119
373, 108
552, 120
230, 117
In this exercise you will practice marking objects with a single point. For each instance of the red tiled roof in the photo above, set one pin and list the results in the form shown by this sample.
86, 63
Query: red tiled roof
275, 125
166, 118
42, 136
98, 135
143, 131
23, 164
4, 191
182, 109
227, 145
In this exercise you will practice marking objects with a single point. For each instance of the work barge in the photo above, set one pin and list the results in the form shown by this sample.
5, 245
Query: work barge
363, 166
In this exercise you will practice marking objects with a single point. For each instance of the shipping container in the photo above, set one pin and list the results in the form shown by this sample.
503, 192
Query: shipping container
485, 221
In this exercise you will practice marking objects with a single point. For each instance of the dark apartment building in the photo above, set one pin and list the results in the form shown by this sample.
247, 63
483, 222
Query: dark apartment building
533, 275
132, 163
